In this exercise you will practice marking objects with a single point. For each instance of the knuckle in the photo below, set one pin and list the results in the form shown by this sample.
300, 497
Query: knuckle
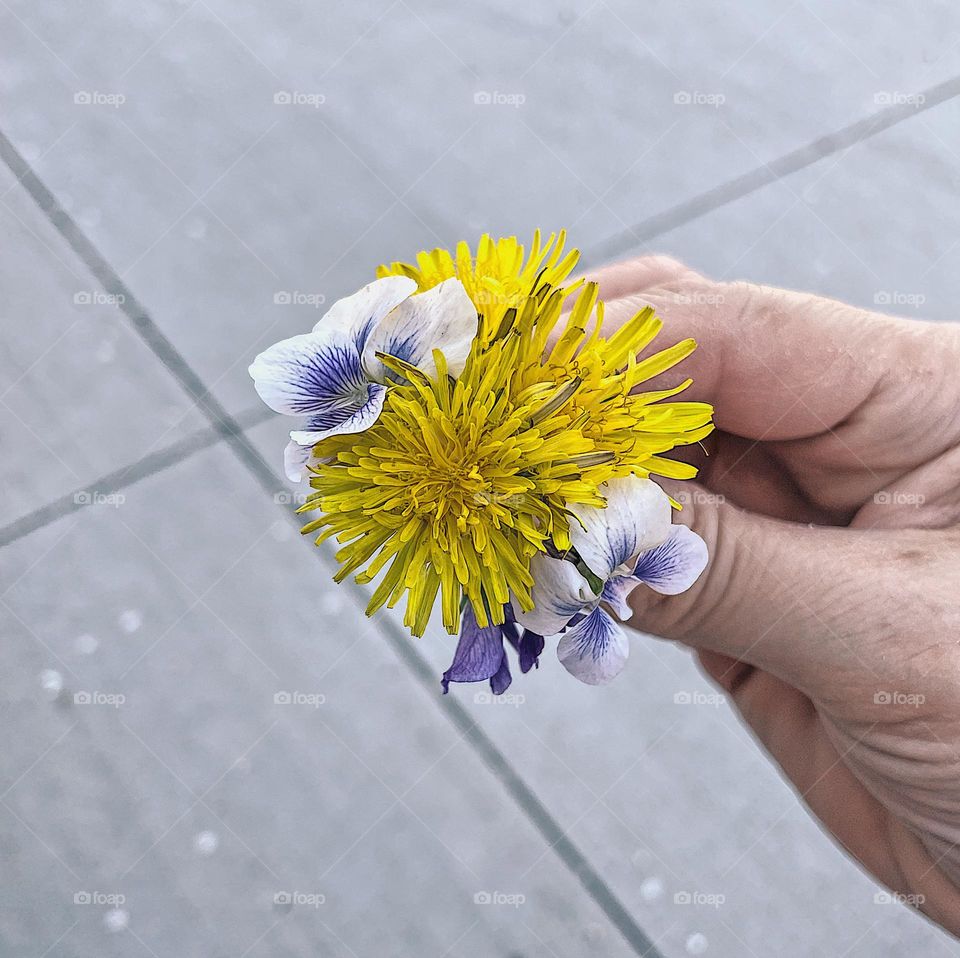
752, 305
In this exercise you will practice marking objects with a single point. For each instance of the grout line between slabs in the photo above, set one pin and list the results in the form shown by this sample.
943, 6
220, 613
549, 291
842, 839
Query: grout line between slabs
126, 476
228, 428
161, 346
765, 174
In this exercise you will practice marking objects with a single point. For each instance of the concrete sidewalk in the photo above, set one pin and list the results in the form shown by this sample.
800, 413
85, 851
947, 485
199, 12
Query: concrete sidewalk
209, 749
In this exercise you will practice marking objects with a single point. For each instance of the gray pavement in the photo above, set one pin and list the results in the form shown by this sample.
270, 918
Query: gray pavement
159, 794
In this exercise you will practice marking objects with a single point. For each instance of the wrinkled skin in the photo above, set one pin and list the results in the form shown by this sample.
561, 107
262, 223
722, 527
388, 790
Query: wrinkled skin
830, 501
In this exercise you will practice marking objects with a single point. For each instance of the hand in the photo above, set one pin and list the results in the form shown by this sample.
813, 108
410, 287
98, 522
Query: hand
830, 500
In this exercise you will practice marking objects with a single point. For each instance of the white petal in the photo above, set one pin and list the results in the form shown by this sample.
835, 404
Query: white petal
355, 316
295, 459
441, 318
594, 650
344, 419
636, 518
616, 591
559, 593
673, 566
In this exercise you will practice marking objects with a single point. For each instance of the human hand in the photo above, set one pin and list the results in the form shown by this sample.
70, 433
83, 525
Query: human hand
830, 501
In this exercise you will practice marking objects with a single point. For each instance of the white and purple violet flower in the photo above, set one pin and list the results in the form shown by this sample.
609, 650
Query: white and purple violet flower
629, 543
332, 375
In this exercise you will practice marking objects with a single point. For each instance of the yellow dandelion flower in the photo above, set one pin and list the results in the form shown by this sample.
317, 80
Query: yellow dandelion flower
461, 481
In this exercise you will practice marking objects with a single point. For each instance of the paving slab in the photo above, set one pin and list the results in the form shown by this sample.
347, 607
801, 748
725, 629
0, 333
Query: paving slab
198, 723
223, 155
876, 226
80, 395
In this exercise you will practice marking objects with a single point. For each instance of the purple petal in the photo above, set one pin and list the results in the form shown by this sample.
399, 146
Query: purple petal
529, 649
500, 682
528, 645
673, 566
479, 656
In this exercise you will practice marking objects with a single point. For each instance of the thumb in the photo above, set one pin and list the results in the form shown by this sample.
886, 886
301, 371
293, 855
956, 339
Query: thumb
811, 605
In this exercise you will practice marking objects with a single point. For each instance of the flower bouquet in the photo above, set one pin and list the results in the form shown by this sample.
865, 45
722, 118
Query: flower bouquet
472, 436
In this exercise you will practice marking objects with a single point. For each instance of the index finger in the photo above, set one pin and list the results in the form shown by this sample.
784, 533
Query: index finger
779, 364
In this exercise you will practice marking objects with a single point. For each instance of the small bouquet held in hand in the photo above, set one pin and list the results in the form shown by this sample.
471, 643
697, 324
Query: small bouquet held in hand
471, 437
